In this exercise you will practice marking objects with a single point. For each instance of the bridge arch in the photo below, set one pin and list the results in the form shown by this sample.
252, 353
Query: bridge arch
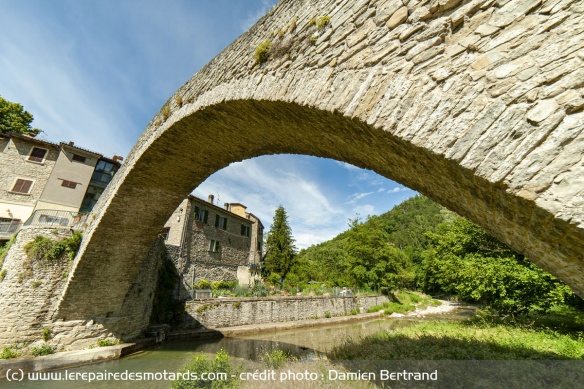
475, 105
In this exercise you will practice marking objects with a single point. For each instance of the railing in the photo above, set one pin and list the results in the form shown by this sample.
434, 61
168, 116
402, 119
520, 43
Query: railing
9, 228
53, 218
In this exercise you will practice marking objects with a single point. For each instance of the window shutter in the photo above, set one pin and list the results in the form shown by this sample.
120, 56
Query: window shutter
216, 221
211, 244
224, 223
205, 216
242, 229
22, 186
197, 213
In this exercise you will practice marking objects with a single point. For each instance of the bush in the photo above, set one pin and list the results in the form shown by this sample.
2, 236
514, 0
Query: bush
8, 352
276, 358
108, 342
204, 284
200, 364
43, 248
47, 334
262, 53
44, 349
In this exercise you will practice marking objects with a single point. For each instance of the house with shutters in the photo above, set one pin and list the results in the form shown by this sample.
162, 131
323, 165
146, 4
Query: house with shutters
214, 243
47, 182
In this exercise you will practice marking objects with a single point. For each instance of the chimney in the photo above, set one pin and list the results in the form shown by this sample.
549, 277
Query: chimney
211, 198
117, 158
71, 143
226, 206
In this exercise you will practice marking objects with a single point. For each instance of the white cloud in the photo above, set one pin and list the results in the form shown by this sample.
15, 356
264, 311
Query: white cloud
381, 190
398, 189
347, 166
262, 184
358, 196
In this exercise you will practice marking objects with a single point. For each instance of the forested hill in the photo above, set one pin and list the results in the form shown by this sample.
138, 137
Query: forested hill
399, 234
420, 245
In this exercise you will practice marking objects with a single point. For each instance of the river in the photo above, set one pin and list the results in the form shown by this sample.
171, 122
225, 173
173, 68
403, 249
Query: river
304, 344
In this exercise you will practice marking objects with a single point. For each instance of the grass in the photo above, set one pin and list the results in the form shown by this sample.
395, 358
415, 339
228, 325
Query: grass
406, 302
463, 341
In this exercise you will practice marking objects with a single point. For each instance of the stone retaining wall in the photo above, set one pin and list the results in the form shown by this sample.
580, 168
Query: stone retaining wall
216, 313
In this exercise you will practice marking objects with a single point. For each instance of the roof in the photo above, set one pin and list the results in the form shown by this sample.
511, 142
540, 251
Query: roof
57, 145
218, 208
29, 139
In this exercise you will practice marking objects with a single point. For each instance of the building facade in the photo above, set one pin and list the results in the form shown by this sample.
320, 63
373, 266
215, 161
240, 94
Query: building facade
47, 181
213, 243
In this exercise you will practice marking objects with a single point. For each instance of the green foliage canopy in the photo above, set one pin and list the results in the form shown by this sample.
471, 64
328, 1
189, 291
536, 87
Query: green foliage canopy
13, 118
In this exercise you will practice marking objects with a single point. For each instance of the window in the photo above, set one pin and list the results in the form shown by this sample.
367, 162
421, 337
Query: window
69, 184
22, 186
245, 230
201, 215
37, 155
221, 222
215, 246
79, 158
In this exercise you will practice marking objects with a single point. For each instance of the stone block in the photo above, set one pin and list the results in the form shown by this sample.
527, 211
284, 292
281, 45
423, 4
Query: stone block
397, 18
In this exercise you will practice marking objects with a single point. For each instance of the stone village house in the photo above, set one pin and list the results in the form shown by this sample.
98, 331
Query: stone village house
206, 241
48, 183
55, 185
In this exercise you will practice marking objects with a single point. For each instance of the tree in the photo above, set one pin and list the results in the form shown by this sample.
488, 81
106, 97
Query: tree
13, 118
280, 251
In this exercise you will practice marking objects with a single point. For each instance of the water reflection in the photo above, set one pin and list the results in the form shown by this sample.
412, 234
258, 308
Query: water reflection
305, 344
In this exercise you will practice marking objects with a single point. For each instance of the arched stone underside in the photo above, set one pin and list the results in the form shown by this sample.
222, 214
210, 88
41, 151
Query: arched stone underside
476, 104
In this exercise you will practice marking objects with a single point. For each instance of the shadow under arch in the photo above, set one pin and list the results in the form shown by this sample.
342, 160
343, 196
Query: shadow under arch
173, 162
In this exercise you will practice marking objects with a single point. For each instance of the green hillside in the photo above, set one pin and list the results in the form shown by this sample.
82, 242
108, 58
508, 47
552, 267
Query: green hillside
420, 245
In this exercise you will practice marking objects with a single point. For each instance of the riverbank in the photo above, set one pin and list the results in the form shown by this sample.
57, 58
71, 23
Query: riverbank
70, 359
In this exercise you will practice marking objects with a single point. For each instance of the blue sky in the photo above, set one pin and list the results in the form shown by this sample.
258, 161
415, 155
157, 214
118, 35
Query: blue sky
96, 71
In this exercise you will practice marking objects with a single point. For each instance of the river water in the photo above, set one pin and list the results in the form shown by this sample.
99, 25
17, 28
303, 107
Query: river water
304, 344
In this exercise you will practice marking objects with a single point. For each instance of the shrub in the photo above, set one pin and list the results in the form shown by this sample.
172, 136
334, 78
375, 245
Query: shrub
322, 22
200, 364
262, 53
108, 342
165, 112
4, 249
36, 283
47, 334
44, 349
8, 352
204, 284
43, 248
2, 274
276, 358
327, 314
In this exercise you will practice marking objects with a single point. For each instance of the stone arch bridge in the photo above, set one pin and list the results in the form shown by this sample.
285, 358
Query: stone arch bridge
477, 104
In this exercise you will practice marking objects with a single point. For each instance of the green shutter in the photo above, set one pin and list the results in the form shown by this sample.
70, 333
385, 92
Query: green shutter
225, 223
205, 216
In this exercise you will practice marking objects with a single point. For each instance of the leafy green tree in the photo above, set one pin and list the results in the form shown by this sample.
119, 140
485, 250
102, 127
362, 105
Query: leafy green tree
466, 261
280, 251
13, 118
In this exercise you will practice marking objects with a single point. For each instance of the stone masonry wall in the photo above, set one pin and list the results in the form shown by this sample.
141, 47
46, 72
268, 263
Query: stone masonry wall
217, 313
477, 104
31, 289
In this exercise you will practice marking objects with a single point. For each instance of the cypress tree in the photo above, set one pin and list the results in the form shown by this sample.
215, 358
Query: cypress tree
280, 250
